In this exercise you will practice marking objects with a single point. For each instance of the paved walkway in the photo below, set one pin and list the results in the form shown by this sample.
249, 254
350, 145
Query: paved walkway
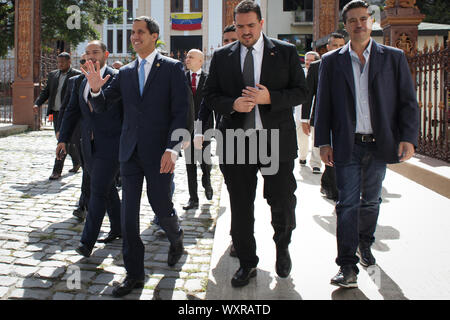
38, 236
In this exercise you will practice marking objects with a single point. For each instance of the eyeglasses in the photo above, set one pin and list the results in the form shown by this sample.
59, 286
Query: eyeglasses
82, 61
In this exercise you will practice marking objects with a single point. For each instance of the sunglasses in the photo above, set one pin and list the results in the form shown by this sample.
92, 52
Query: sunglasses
82, 61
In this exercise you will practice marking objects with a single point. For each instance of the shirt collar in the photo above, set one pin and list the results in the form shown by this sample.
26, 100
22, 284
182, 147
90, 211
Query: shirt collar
366, 52
258, 46
198, 72
102, 70
150, 58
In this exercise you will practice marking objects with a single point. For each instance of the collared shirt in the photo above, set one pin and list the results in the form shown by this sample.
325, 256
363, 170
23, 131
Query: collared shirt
59, 97
88, 87
258, 52
148, 66
361, 79
198, 73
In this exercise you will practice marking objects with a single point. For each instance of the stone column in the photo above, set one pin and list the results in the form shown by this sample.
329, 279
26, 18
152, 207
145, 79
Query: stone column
400, 20
326, 19
27, 59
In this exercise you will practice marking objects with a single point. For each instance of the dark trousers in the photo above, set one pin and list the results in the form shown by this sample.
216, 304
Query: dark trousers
359, 183
159, 190
328, 180
85, 181
192, 157
279, 188
103, 197
72, 150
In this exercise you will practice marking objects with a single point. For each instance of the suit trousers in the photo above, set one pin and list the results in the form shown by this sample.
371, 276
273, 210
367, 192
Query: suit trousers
279, 188
359, 184
103, 197
303, 146
72, 150
192, 157
159, 193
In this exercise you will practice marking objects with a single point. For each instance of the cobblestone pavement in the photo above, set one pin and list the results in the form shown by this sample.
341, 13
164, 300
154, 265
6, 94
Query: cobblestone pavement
38, 233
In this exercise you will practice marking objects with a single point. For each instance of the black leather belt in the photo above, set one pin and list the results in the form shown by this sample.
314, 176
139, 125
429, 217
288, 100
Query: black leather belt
364, 138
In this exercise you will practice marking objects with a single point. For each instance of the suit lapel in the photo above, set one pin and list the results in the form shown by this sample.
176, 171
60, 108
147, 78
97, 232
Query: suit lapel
153, 71
81, 94
269, 57
374, 65
136, 76
235, 54
347, 69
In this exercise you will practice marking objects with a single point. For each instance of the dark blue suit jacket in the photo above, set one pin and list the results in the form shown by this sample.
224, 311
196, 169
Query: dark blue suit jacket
392, 99
104, 127
148, 120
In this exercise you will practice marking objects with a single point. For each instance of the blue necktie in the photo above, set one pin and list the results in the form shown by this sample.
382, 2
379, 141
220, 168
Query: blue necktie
142, 76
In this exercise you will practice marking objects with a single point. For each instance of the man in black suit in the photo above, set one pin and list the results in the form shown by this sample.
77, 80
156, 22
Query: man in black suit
75, 82
328, 180
253, 84
366, 116
100, 142
54, 92
196, 78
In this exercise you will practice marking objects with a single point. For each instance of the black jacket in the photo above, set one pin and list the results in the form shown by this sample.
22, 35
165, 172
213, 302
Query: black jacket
50, 90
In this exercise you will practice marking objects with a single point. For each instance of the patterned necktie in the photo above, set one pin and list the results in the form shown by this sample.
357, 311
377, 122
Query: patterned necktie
249, 81
142, 76
194, 83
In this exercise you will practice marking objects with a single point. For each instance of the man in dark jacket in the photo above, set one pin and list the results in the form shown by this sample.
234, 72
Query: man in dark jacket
54, 92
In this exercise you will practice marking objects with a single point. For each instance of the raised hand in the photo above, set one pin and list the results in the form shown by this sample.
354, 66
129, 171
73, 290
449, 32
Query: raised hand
93, 76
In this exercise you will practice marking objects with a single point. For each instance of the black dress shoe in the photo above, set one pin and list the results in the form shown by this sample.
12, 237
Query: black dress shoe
284, 264
192, 204
346, 277
80, 213
55, 176
175, 251
84, 251
242, 277
366, 257
127, 286
75, 168
111, 237
208, 192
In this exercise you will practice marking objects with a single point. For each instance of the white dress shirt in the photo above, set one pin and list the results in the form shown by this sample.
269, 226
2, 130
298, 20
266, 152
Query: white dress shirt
197, 79
258, 52
148, 66
361, 79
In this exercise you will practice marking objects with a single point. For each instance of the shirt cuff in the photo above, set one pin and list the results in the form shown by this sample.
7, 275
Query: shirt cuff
173, 151
304, 120
95, 95
198, 135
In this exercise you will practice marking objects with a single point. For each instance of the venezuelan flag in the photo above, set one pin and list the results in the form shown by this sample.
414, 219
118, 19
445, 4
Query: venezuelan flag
186, 21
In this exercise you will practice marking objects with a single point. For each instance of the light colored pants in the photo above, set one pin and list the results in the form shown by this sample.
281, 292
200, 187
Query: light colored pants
303, 145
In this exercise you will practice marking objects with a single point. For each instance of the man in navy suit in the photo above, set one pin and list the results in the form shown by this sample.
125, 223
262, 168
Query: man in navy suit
100, 134
153, 89
366, 116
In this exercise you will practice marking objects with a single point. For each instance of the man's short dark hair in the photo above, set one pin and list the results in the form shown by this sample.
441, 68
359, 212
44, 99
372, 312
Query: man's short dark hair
152, 25
229, 28
335, 35
99, 43
247, 6
353, 5
64, 55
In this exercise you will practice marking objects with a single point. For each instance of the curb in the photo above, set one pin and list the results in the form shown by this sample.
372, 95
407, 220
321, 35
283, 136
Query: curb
12, 129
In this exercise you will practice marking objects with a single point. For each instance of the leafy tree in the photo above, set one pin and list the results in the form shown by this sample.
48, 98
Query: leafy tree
436, 11
54, 21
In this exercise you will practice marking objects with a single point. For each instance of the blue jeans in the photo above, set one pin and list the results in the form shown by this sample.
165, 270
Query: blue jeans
359, 183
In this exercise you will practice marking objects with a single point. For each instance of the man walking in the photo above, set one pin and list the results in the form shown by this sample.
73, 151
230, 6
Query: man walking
253, 83
197, 77
154, 92
54, 92
367, 116
328, 180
